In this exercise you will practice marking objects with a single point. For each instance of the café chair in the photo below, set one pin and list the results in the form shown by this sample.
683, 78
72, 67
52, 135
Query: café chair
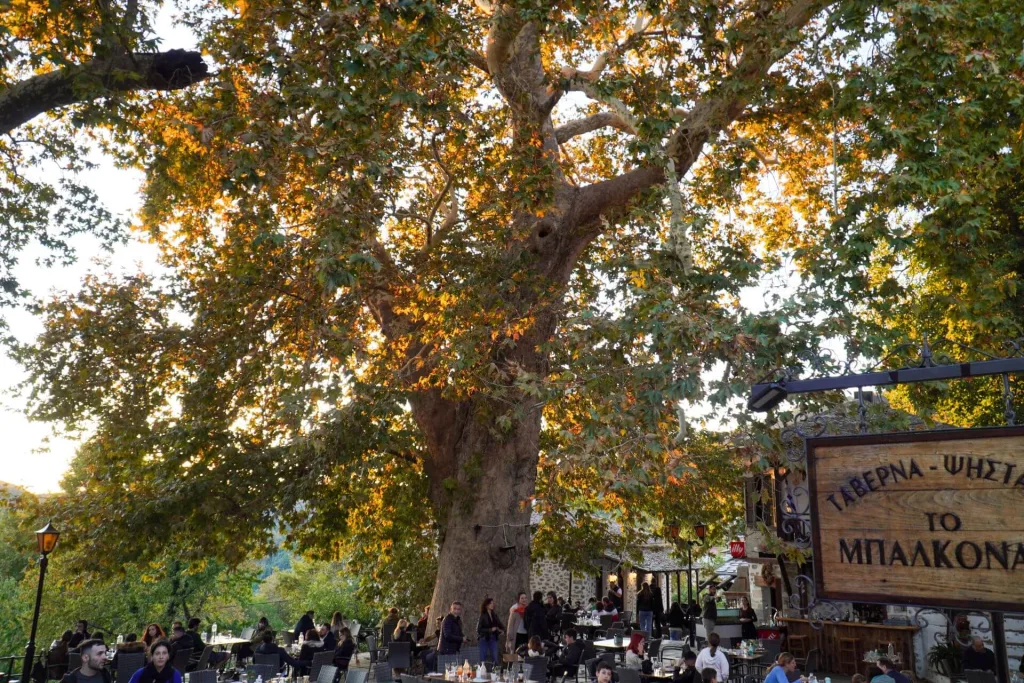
204, 676
328, 672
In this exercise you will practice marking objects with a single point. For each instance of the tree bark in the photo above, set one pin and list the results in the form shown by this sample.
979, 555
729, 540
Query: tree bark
33, 96
479, 555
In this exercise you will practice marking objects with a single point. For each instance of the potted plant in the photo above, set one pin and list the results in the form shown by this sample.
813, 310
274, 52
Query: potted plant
945, 658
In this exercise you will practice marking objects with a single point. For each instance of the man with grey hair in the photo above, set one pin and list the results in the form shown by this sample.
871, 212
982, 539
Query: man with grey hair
978, 657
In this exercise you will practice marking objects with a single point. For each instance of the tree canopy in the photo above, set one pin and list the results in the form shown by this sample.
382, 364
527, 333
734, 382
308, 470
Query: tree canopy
434, 266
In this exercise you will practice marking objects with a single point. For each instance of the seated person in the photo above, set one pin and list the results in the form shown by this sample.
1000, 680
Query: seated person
131, 644
346, 648
180, 640
687, 673
887, 668
310, 647
197, 641
978, 657
269, 647
603, 672
709, 675
784, 667
635, 654
533, 648
569, 659
327, 637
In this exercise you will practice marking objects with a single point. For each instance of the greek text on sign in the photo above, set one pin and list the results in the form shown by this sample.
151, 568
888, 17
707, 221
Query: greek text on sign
928, 518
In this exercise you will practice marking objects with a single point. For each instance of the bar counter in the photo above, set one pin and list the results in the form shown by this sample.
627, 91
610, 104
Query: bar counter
868, 636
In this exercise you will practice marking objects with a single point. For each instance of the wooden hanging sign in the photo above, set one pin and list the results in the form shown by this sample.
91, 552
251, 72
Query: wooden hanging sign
920, 518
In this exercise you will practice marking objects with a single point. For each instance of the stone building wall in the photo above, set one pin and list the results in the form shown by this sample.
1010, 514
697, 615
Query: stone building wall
548, 575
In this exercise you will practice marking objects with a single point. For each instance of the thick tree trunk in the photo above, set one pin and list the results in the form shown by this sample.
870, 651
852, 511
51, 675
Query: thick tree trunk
485, 547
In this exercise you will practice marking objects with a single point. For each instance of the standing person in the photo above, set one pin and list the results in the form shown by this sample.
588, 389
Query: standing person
645, 608
516, 634
536, 618
659, 608
92, 667
488, 630
159, 669
387, 627
554, 611
615, 592
710, 613
634, 658
304, 623
785, 664
712, 657
452, 635
337, 623
676, 617
80, 635
748, 620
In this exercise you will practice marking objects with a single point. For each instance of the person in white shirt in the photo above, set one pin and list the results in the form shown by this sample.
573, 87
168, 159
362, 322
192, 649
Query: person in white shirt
711, 657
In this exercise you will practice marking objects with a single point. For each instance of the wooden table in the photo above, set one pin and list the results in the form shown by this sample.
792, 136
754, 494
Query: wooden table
870, 636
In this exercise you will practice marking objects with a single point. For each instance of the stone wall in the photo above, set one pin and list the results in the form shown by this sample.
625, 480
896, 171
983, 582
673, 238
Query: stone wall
548, 575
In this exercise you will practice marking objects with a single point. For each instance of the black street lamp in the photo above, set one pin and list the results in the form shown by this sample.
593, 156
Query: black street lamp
46, 538
699, 530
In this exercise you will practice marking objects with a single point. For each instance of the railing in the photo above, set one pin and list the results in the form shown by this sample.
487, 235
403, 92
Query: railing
10, 666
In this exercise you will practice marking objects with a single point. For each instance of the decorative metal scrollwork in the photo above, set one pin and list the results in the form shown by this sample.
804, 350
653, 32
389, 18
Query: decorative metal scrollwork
955, 626
818, 611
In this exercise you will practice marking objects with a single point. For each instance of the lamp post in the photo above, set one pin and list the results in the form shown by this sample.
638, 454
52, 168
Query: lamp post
699, 530
46, 538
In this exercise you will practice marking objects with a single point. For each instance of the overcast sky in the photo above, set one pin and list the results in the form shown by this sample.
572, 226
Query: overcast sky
21, 461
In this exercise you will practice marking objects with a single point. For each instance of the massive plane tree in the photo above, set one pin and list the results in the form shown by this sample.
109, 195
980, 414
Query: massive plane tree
431, 267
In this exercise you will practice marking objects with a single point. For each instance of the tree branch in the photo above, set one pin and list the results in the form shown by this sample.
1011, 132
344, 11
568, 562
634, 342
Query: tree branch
505, 26
569, 130
610, 198
33, 96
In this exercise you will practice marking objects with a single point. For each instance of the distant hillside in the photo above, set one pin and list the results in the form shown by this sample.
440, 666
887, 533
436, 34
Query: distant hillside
10, 491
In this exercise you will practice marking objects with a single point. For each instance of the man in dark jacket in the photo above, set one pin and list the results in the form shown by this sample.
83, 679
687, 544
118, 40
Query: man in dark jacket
93, 667
198, 645
180, 640
570, 657
269, 647
536, 618
978, 657
452, 636
327, 636
304, 623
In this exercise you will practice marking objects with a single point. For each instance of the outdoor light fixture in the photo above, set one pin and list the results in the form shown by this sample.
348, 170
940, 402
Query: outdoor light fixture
764, 397
673, 531
47, 539
700, 530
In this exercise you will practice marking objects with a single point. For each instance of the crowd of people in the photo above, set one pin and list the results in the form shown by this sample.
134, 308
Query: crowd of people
533, 627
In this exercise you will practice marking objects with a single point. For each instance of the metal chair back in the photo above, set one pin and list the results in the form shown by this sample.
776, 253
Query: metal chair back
626, 616
356, 676
254, 671
320, 660
406, 678
247, 633
976, 676
655, 648
204, 659
181, 660
627, 675
371, 645
328, 672
445, 660
813, 661
400, 655
535, 669
772, 647
128, 663
204, 676
267, 660
382, 673
287, 638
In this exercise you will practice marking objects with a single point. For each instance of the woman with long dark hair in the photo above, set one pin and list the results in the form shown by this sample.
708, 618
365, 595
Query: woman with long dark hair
159, 669
645, 608
488, 628
154, 633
